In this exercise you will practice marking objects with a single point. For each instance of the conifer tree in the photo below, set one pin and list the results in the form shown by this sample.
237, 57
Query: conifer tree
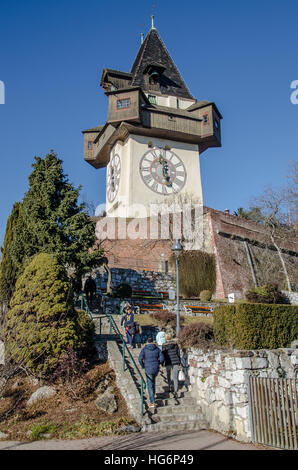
8, 269
53, 221
42, 322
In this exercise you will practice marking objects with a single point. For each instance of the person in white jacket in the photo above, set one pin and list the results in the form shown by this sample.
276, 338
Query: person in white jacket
161, 338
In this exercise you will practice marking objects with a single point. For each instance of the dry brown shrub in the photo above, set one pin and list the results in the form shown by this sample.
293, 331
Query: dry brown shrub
165, 318
197, 335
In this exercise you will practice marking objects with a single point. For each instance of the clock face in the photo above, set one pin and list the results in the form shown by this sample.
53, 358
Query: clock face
113, 177
162, 171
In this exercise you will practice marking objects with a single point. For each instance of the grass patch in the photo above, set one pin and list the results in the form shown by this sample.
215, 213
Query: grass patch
190, 320
39, 430
147, 319
88, 427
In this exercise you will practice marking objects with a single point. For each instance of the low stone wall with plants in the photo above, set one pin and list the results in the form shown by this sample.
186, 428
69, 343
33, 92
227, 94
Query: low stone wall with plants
219, 381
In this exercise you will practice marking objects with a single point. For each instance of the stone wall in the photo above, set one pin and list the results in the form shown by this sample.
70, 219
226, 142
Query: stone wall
152, 281
219, 381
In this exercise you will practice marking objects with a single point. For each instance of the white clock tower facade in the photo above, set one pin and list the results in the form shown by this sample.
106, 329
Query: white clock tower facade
139, 176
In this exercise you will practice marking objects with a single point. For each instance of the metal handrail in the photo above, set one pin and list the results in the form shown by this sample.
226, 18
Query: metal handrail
143, 383
84, 305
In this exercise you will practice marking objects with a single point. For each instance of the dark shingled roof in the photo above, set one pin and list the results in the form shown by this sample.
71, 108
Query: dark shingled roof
153, 51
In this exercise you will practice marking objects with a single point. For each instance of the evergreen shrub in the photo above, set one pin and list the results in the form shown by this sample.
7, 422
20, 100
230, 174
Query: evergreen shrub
205, 295
123, 291
255, 326
42, 322
197, 272
267, 294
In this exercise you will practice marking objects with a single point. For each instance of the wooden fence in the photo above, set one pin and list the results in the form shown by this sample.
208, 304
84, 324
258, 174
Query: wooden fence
273, 412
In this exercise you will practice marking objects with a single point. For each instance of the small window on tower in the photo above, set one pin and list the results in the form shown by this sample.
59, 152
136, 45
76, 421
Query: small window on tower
205, 119
90, 145
122, 104
152, 99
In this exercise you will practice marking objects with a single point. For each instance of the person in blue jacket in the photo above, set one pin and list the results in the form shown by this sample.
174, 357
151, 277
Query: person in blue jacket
128, 321
150, 358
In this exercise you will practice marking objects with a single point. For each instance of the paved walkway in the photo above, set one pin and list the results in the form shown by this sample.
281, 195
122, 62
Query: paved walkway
196, 440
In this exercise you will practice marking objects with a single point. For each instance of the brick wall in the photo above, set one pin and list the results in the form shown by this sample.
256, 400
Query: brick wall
225, 236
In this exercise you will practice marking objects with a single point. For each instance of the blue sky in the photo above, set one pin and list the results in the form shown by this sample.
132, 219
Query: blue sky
242, 55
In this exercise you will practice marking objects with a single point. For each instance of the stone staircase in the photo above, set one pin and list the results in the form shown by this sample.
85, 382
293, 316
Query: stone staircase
170, 414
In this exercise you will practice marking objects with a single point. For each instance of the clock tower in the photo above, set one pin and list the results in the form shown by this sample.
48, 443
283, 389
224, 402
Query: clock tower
154, 134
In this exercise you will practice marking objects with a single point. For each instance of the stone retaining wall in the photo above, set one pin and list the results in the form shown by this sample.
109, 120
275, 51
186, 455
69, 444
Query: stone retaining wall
138, 279
220, 383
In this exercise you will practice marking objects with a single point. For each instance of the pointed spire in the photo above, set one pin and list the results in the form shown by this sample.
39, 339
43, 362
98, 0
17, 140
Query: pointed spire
152, 22
153, 52
152, 17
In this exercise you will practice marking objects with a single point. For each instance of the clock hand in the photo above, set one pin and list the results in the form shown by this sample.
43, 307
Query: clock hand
165, 173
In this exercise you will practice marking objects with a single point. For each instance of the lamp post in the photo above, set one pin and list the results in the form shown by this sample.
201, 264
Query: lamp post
177, 249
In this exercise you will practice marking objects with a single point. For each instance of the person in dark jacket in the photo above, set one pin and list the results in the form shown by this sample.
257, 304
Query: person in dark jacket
90, 289
127, 321
172, 361
150, 359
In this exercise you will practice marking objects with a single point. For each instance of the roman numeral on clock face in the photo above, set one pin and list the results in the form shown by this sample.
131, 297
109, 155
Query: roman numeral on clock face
148, 178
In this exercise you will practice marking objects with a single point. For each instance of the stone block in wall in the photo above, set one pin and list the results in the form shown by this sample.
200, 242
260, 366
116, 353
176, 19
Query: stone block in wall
242, 430
243, 362
242, 353
285, 359
223, 382
273, 359
239, 377
259, 363
242, 411
230, 363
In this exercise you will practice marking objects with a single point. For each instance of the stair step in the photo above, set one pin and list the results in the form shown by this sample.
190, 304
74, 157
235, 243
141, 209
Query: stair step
170, 415
176, 409
176, 425
176, 417
165, 402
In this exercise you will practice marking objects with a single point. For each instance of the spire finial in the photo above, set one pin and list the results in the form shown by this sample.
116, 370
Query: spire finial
152, 18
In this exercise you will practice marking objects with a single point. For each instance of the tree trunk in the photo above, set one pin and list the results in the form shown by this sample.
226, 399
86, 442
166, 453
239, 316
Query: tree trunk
109, 283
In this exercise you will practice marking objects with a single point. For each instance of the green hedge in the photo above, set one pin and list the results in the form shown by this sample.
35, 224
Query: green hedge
256, 326
197, 272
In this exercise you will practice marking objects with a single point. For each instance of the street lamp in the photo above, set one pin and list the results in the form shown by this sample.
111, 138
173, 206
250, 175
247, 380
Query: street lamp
177, 249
